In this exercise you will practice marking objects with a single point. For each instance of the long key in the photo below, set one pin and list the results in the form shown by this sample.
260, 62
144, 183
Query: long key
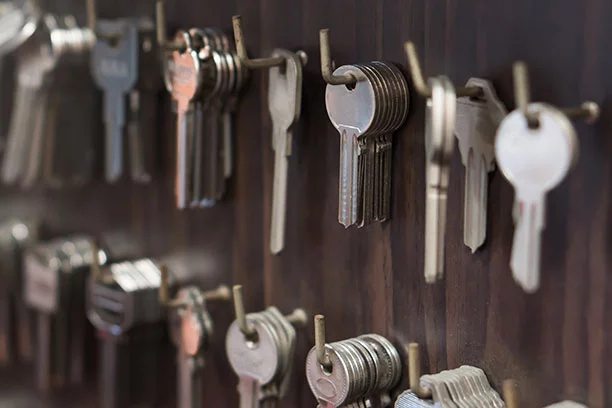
184, 81
115, 70
535, 161
284, 104
439, 143
477, 121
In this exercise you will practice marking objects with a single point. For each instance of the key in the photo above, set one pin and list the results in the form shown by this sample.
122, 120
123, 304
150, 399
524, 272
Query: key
439, 144
351, 112
477, 121
183, 81
284, 104
566, 404
115, 71
18, 22
138, 167
534, 161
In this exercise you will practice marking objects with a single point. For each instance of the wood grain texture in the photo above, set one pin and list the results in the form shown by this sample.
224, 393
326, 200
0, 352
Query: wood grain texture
557, 343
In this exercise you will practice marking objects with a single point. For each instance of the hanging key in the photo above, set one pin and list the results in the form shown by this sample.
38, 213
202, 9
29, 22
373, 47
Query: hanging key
477, 121
115, 70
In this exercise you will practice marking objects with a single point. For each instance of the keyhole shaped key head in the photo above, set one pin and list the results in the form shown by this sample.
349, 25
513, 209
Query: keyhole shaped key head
285, 90
182, 72
114, 66
536, 160
351, 106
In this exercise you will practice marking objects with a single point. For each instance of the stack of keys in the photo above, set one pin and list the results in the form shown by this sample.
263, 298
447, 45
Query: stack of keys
534, 161
463, 387
477, 121
15, 319
439, 145
18, 22
124, 307
204, 80
363, 370
52, 83
263, 363
122, 69
366, 115
191, 329
54, 286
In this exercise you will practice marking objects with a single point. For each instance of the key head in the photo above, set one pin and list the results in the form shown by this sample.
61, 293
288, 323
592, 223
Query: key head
328, 387
114, 67
255, 359
196, 323
536, 160
41, 279
285, 89
182, 71
440, 121
351, 106
477, 122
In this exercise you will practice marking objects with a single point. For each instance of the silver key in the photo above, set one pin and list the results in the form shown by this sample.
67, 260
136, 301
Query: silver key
284, 104
534, 161
183, 81
439, 144
477, 121
115, 70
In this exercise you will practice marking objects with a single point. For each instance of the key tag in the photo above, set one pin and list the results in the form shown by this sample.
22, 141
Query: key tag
535, 148
284, 105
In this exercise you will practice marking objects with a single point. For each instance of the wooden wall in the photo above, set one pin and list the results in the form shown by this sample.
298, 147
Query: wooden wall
556, 343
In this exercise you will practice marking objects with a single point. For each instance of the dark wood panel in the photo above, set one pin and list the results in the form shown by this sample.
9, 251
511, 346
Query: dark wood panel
556, 343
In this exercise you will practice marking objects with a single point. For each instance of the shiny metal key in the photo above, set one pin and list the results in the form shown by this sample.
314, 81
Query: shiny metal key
534, 161
477, 121
183, 80
115, 70
439, 144
284, 105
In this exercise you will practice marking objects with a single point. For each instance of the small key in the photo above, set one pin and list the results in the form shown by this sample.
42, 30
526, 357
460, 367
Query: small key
115, 70
352, 112
183, 81
439, 144
477, 121
534, 161
284, 104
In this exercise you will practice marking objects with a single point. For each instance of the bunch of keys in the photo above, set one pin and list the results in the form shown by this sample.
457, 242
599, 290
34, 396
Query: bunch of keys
124, 307
356, 373
285, 107
15, 319
191, 329
121, 62
536, 146
51, 84
203, 76
463, 387
366, 103
55, 273
260, 348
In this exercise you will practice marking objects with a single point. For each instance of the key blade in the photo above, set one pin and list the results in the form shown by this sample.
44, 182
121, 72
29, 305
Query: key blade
114, 115
248, 391
475, 207
182, 162
349, 164
279, 193
525, 258
435, 228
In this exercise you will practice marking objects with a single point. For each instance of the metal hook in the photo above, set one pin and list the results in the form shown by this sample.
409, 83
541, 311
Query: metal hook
414, 372
96, 269
510, 393
419, 82
327, 64
221, 293
319, 329
162, 41
298, 317
588, 110
242, 52
163, 292
92, 23
249, 332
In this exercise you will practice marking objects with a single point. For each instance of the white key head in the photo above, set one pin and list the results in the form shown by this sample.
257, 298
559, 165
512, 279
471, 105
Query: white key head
440, 121
285, 89
536, 160
182, 72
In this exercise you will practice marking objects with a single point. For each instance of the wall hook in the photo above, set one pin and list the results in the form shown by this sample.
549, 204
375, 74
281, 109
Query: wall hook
588, 110
257, 62
319, 329
414, 372
327, 64
163, 293
419, 82
92, 23
160, 21
510, 393
249, 332
96, 268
